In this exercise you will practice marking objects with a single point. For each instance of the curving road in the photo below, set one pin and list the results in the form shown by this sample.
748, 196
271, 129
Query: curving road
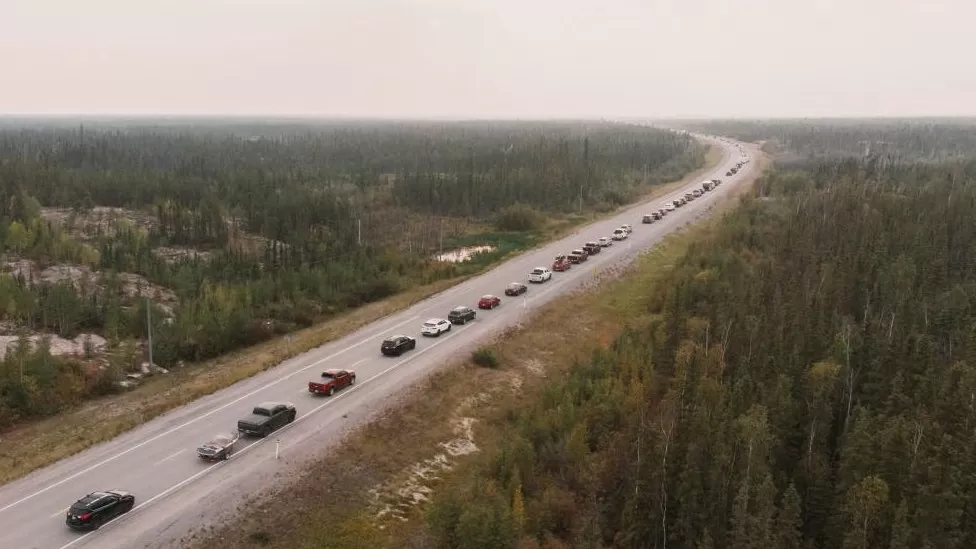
176, 492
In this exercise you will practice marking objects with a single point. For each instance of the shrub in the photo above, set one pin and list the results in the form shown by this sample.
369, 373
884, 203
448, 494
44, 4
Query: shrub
519, 217
485, 358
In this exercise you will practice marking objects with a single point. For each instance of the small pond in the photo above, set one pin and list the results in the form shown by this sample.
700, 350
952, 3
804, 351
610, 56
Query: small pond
463, 254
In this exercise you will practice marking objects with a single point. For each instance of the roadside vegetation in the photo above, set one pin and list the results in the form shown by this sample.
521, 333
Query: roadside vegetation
261, 242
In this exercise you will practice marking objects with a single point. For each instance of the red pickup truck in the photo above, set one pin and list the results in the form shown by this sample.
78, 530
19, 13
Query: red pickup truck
561, 263
332, 381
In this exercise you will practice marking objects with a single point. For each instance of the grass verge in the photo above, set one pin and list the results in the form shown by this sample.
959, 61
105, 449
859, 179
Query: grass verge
384, 472
41, 443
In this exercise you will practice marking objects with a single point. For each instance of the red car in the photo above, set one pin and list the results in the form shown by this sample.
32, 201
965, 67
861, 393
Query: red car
561, 263
489, 302
332, 381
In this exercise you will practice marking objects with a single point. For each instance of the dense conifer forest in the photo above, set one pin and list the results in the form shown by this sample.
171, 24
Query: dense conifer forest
807, 381
891, 140
237, 231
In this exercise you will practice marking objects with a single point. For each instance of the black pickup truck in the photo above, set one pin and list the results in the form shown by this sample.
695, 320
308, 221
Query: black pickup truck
266, 418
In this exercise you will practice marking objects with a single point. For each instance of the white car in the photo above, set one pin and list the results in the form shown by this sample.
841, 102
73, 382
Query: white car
540, 274
669, 206
435, 327
627, 228
604, 242
619, 234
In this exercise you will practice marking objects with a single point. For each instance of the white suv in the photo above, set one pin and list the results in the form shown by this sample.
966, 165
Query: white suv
435, 327
540, 274
619, 234
669, 206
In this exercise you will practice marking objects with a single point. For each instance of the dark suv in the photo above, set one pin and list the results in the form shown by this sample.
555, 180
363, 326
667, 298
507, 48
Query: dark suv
460, 315
397, 345
97, 508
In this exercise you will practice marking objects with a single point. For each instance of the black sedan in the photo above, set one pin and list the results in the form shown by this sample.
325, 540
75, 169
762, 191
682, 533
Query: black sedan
97, 508
516, 288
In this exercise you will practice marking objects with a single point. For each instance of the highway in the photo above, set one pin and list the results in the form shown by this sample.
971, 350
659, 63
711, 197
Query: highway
176, 491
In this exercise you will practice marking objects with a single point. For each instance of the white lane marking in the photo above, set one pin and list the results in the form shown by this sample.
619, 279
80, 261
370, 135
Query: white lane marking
169, 457
62, 512
248, 395
79, 538
194, 420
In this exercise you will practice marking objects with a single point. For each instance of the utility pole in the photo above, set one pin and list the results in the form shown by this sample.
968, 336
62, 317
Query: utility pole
440, 245
581, 199
149, 329
359, 231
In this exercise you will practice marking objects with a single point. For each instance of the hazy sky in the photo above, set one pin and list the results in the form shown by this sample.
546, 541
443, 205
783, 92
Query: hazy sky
489, 58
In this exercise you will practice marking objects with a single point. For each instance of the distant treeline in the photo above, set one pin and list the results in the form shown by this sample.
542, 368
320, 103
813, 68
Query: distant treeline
300, 220
897, 140
808, 382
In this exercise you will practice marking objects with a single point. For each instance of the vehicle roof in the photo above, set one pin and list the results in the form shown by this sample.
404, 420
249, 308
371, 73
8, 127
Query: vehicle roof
434, 321
334, 371
487, 296
538, 269
89, 498
270, 404
461, 308
516, 283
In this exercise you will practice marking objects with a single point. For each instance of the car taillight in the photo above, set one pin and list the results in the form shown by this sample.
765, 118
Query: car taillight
84, 516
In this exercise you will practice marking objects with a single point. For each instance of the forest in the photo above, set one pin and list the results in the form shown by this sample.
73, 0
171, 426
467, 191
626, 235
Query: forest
807, 381
235, 231
894, 140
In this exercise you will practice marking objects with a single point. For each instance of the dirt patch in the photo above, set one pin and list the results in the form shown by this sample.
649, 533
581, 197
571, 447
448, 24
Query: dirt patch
395, 501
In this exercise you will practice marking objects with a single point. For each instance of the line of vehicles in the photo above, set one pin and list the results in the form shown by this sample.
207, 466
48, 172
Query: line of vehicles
95, 509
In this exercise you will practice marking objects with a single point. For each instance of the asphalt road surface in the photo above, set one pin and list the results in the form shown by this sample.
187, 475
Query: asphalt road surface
175, 491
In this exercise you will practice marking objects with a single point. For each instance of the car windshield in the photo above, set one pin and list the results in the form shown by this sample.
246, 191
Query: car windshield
430, 324
537, 271
486, 297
